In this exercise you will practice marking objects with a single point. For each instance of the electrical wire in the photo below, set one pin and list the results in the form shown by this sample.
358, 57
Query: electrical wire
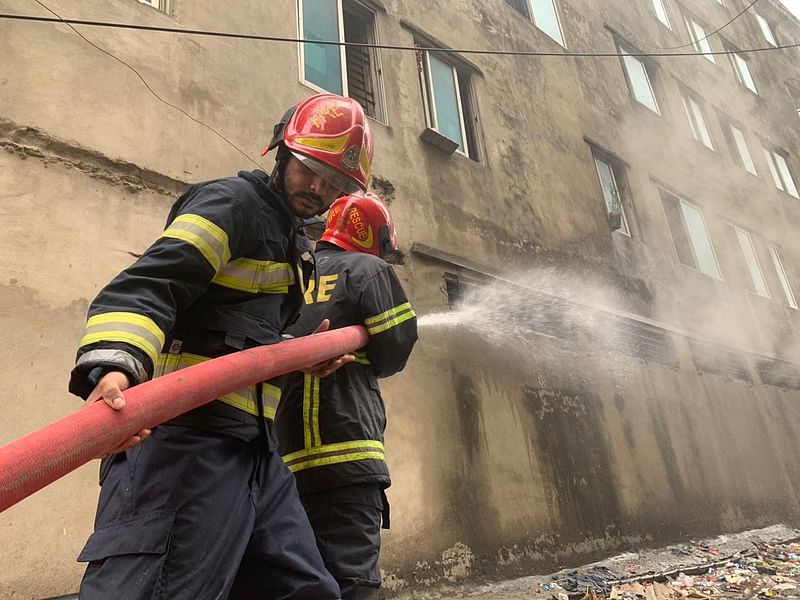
269, 38
693, 42
68, 23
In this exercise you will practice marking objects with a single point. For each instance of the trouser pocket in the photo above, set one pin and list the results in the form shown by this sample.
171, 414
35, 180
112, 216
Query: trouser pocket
127, 559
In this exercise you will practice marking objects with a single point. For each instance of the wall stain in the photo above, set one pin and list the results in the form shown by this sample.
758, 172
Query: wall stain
573, 449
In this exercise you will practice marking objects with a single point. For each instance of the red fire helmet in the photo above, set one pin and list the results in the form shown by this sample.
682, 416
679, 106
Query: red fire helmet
331, 136
362, 224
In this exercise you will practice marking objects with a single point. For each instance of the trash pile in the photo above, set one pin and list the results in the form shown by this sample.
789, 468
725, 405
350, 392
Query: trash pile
764, 571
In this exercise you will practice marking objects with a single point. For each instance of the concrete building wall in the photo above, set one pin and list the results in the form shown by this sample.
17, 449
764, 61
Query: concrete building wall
508, 452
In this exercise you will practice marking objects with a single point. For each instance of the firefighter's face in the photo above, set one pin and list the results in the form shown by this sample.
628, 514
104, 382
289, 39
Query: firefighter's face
308, 193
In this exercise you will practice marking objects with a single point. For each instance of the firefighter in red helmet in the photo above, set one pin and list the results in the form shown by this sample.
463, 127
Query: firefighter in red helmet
203, 506
330, 429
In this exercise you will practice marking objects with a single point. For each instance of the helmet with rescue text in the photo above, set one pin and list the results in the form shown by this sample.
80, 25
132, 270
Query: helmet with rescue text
362, 223
330, 135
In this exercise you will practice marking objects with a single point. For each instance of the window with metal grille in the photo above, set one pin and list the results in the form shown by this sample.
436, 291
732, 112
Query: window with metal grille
352, 71
521, 6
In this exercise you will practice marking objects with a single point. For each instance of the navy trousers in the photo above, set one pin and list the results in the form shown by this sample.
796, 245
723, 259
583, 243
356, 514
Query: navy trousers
196, 515
347, 525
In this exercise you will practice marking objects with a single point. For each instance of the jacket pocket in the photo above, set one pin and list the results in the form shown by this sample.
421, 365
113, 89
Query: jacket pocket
145, 534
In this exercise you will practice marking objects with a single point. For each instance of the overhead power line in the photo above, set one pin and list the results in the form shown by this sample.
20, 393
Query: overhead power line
271, 38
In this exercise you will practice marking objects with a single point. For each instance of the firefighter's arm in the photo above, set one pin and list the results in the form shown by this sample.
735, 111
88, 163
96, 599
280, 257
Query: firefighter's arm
130, 318
109, 389
390, 321
327, 367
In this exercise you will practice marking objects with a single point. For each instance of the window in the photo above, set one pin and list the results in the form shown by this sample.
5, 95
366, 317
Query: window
544, 14
521, 6
776, 162
637, 74
698, 37
661, 13
162, 5
757, 281
345, 70
448, 104
689, 234
738, 146
766, 30
741, 68
545, 17
611, 175
777, 262
697, 119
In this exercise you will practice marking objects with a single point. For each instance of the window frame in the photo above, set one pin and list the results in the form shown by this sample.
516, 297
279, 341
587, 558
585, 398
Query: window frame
616, 168
698, 41
790, 301
742, 236
688, 233
666, 22
376, 68
429, 101
766, 29
160, 5
736, 147
554, 3
780, 176
698, 123
626, 50
737, 62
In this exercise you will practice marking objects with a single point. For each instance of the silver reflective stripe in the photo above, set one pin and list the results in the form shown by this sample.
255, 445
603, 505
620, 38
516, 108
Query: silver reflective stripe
129, 328
244, 400
108, 357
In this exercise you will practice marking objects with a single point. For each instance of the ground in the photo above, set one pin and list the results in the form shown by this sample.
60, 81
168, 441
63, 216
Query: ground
761, 563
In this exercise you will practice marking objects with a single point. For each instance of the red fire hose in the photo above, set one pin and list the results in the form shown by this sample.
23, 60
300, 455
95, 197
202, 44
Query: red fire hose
36, 460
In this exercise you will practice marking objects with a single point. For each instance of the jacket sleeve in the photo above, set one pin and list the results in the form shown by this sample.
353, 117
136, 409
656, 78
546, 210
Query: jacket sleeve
130, 318
390, 322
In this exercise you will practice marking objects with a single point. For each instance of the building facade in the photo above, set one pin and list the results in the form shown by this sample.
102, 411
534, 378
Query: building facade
611, 228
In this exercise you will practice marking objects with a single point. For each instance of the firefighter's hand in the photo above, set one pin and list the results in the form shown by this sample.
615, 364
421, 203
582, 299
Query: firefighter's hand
109, 389
326, 367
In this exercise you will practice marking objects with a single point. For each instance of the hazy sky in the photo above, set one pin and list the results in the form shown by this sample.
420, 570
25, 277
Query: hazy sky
793, 5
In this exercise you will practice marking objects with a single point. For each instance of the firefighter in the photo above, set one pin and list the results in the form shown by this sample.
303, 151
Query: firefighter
330, 429
203, 506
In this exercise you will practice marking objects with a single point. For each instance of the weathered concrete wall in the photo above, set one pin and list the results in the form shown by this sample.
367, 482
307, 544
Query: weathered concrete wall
533, 452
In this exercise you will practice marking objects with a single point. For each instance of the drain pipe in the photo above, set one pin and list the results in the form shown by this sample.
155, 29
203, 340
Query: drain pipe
38, 459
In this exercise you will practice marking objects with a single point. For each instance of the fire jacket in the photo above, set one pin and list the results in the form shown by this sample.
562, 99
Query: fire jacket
331, 430
227, 273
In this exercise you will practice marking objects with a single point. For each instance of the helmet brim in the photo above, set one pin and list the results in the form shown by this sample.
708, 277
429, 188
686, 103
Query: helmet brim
332, 177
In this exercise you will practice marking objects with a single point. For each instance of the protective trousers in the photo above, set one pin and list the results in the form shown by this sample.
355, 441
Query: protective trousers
347, 525
197, 515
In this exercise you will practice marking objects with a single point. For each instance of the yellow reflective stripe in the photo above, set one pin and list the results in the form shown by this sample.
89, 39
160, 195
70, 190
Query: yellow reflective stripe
244, 400
332, 460
311, 433
361, 358
390, 318
335, 144
251, 275
210, 240
130, 328
334, 453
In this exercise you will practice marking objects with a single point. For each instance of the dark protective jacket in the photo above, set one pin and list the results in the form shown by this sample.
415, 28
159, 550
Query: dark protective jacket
227, 273
331, 430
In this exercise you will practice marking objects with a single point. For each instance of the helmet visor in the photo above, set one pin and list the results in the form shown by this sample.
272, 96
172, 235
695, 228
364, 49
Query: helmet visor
332, 177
